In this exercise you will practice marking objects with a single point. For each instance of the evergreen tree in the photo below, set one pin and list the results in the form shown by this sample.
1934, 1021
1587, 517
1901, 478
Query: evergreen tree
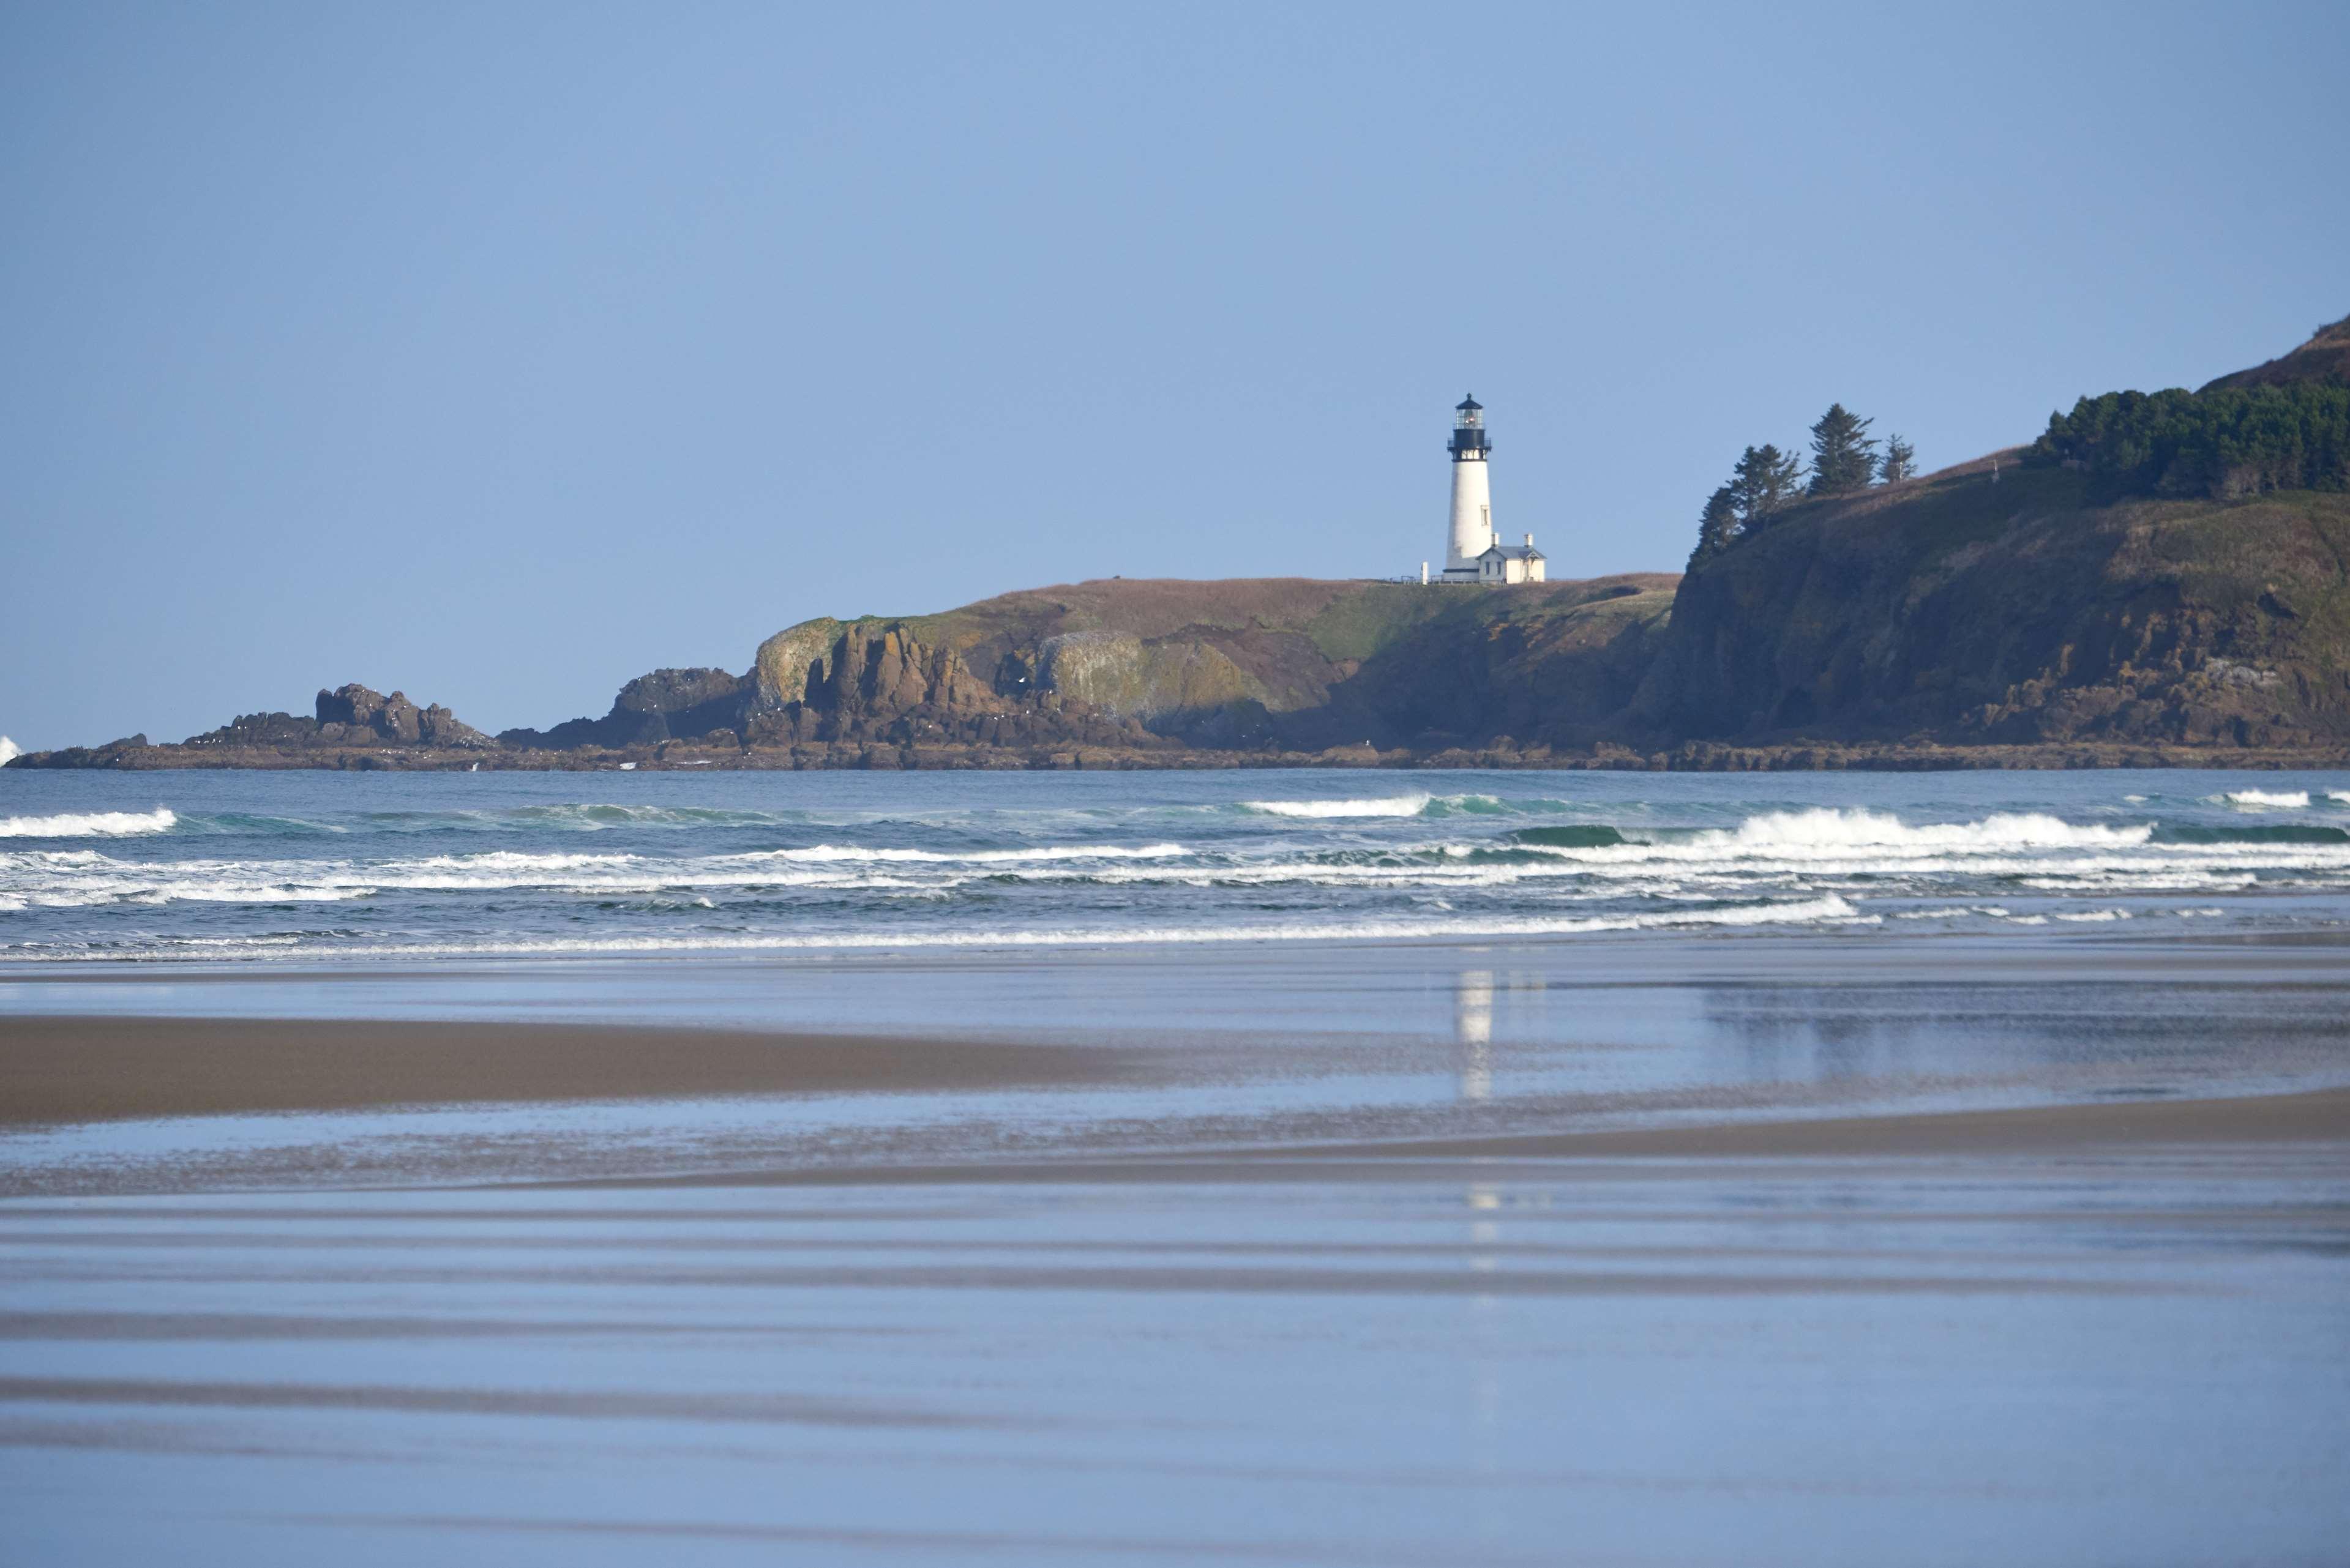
1901, 460
1716, 527
1843, 456
1764, 483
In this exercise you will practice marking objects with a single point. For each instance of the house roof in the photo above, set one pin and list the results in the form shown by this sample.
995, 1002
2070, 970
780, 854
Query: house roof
1514, 553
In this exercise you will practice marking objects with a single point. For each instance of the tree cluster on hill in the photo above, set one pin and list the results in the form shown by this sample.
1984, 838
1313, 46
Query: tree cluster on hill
2224, 442
1767, 481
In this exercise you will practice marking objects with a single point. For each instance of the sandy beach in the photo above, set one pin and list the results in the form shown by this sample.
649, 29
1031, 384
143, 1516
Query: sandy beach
1319, 1257
80, 1069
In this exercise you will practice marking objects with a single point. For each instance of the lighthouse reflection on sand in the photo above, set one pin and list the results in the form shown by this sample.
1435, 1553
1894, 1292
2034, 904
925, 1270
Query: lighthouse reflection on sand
1472, 1031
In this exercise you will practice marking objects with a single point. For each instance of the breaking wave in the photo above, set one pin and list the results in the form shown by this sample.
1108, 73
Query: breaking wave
88, 824
1385, 805
1400, 806
1855, 828
2291, 799
856, 853
1829, 911
357, 868
1842, 835
9, 750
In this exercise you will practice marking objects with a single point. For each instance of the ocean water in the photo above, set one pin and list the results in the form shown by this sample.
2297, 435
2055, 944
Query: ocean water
215, 867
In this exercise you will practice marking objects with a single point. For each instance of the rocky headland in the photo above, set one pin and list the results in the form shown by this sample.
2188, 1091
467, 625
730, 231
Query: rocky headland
2038, 607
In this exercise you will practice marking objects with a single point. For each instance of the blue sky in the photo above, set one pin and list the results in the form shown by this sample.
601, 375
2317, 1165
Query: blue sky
502, 353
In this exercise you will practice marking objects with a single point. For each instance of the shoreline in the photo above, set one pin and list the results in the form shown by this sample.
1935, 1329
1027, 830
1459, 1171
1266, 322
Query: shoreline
65, 1071
2316, 1119
1795, 755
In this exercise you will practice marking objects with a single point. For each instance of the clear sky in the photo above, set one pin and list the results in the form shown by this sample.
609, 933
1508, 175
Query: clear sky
499, 353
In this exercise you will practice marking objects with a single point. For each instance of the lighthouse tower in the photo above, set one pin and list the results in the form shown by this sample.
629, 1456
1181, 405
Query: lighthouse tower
1472, 497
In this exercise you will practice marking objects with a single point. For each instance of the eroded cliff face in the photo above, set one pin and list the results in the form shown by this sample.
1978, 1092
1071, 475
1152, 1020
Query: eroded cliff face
1962, 610
1270, 663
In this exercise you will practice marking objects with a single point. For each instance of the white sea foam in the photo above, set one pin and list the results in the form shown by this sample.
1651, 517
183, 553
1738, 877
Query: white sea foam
1383, 806
1856, 828
1831, 911
88, 824
9, 750
2340, 796
1857, 838
858, 853
2291, 799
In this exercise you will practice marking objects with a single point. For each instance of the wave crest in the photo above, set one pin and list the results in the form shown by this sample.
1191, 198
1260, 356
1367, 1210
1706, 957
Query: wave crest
90, 824
858, 853
1383, 806
2288, 799
1858, 829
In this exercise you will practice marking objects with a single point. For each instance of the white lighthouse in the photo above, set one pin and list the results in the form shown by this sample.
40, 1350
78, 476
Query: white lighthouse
1472, 495
1474, 553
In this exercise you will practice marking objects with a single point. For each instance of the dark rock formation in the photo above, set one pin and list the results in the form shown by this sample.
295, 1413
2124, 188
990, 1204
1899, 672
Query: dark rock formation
347, 717
664, 705
354, 716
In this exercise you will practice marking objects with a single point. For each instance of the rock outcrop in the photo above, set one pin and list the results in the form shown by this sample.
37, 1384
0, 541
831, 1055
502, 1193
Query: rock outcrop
350, 720
650, 709
354, 716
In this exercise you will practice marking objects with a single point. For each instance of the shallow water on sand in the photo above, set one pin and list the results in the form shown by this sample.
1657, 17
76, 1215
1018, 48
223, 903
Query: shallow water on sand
2139, 1359
1290, 1044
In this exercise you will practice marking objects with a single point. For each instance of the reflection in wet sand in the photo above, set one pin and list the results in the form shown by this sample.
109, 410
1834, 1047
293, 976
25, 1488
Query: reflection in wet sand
1472, 1031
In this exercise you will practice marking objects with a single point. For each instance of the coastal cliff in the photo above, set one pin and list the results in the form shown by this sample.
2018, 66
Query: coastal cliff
1175, 672
1289, 664
1976, 607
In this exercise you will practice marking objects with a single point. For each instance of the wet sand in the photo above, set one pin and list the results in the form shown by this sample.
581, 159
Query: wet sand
2130, 1347
2317, 1120
1686, 1272
83, 1069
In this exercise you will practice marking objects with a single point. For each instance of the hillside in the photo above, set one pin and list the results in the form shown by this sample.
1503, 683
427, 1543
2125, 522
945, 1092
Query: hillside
2324, 358
1966, 609
1289, 664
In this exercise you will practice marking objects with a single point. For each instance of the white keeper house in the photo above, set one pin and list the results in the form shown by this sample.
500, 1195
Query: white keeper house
1474, 553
